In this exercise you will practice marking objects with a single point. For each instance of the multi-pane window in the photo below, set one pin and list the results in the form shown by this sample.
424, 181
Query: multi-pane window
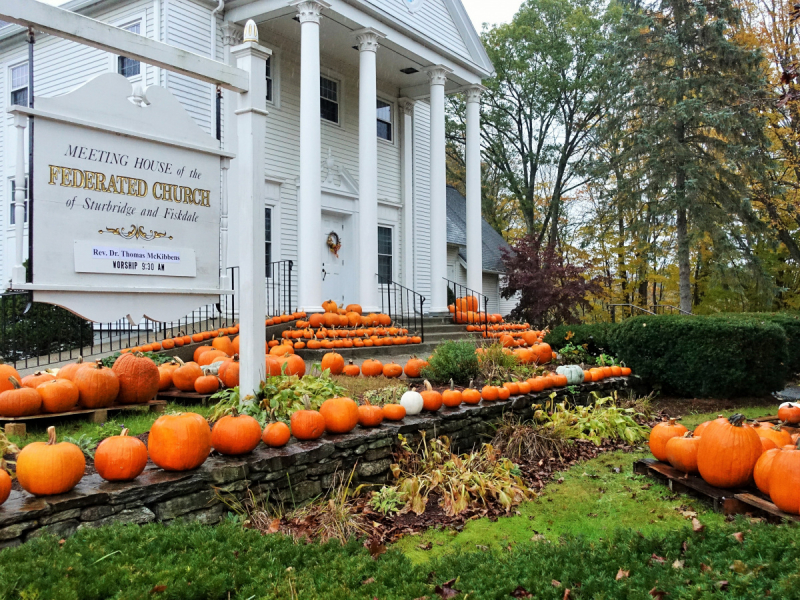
269, 79
384, 120
268, 240
13, 191
128, 66
384, 254
19, 85
329, 99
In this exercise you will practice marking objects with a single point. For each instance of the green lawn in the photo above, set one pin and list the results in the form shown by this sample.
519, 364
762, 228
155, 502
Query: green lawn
751, 412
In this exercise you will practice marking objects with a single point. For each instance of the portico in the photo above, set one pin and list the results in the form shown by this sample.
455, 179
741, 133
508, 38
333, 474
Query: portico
381, 163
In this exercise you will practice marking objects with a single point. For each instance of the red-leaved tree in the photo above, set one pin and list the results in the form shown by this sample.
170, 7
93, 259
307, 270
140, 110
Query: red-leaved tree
551, 290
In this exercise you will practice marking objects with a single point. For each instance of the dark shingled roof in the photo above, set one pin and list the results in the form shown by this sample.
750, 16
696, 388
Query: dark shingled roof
457, 233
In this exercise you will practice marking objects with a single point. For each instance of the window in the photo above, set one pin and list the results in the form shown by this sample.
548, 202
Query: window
268, 240
384, 120
269, 79
128, 66
329, 99
13, 190
384, 254
19, 84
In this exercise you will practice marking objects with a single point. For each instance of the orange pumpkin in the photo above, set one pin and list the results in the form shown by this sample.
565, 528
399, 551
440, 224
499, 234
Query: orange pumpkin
210, 357
414, 366
185, 375
98, 386
290, 364
334, 362
50, 468
7, 371
58, 396
307, 424
394, 412
235, 435
68, 371
763, 467
352, 369
490, 393
276, 434
120, 457
452, 397
371, 368
5, 485
784, 480
392, 370
165, 375
470, 395
789, 412
682, 452
340, 414
431, 399
229, 372
33, 381
728, 452
661, 434
513, 387
198, 352
179, 442
369, 415
207, 384
138, 379
223, 344
776, 434
19, 401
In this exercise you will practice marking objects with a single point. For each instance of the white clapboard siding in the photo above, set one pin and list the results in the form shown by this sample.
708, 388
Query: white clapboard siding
492, 292
432, 20
506, 306
422, 200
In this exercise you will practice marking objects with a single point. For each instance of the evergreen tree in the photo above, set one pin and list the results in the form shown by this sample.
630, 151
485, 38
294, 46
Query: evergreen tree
689, 94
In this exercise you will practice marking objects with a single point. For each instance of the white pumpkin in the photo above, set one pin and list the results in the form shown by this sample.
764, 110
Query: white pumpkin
574, 373
412, 402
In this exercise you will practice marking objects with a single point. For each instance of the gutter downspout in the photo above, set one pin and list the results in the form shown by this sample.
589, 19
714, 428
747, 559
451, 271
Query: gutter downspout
213, 23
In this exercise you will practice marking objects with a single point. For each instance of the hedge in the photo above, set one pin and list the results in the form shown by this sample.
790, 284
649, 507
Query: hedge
595, 336
719, 357
790, 322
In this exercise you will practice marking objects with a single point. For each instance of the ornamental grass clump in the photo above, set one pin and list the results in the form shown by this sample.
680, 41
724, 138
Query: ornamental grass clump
522, 440
461, 482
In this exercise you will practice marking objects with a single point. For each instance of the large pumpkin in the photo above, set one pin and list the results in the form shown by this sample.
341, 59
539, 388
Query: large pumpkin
184, 376
763, 468
58, 396
414, 366
19, 401
682, 452
235, 435
33, 381
98, 386
340, 414
48, 468
138, 379
728, 452
229, 372
68, 371
5, 484
120, 457
784, 480
661, 434
223, 344
7, 371
179, 442
334, 362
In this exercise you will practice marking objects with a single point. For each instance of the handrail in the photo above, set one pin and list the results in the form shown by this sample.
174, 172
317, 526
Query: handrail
653, 312
613, 308
685, 312
278, 280
405, 301
461, 291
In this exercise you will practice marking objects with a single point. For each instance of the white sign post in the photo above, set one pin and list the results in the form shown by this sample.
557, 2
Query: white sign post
128, 204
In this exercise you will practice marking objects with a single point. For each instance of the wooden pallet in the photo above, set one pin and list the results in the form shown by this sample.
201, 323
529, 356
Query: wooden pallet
185, 398
728, 502
17, 425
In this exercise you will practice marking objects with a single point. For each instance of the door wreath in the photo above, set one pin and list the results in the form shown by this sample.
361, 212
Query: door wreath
334, 243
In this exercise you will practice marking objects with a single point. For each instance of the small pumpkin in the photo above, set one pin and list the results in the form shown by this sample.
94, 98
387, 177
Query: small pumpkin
490, 393
789, 412
394, 412
19, 401
682, 452
452, 397
229, 372
470, 395
208, 384
412, 401
334, 362
352, 369
392, 370
235, 434
138, 378
661, 434
307, 424
60, 395
431, 399
223, 344
414, 366
179, 442
728, 452
371, 368
369, 415
120, 457
50, 468
276, 434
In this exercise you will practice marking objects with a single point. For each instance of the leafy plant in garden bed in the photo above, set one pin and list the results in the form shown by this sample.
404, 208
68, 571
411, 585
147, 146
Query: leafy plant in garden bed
453, 360
156, 357
461, 482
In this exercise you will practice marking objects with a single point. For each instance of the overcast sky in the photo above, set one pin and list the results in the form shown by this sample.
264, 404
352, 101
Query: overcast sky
480, 11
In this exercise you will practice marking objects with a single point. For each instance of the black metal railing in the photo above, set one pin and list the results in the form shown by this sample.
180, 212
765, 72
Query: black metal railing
34, 334
279, 288
462, 314
405, 306
624, 311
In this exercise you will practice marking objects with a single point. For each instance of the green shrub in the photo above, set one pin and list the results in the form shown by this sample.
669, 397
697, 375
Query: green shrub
790, 322
595, 336
453, 360
717, 357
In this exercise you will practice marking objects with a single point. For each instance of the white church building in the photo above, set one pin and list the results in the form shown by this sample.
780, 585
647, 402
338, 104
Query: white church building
355, 132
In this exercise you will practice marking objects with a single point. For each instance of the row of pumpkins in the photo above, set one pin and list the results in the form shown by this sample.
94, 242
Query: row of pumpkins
467, 310
730, 453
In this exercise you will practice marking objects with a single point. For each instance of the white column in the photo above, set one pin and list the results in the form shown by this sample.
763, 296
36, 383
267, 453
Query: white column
309, 268
251, 124
368, 169
18, 274
407, 167
438, 77
231, 36
473, 164
224, 279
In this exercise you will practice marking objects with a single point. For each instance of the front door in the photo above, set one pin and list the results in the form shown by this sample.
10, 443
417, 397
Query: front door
333, 287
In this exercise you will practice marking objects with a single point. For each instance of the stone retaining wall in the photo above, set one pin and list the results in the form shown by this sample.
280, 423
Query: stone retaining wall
295, 473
